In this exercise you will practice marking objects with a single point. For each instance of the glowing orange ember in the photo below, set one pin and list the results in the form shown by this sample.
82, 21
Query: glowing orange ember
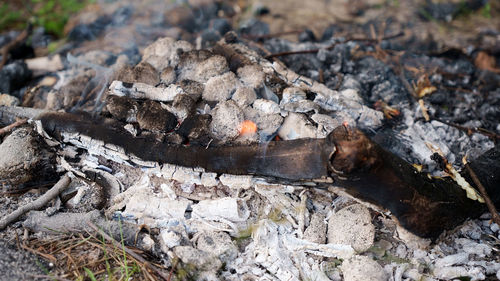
247, 127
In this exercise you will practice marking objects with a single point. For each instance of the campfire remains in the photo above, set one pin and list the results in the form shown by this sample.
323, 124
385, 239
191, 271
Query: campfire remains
242, 167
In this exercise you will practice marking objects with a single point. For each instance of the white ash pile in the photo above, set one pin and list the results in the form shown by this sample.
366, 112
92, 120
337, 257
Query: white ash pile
234, 227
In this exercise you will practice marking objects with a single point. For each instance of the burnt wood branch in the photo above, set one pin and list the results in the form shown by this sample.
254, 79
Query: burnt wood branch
422, 204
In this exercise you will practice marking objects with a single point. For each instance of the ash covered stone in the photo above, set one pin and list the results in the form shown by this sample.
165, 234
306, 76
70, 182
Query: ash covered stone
168, 76
251, 75
362, 268
164, 52
316, 231
201, 65
219, 244
192, 88
244, 96
352, 226
221, 88
226, 119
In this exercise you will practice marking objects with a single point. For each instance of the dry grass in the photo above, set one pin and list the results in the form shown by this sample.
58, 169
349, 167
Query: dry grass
89, 257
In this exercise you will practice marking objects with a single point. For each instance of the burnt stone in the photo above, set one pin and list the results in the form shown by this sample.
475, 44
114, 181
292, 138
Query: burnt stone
122, 108
222, 26
84, 32
151, 116
307, 36
330, 31
209, 37
13, 76
254, 27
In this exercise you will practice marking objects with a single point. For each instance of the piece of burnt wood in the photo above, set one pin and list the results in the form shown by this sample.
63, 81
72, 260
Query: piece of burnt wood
422, 204
292, 160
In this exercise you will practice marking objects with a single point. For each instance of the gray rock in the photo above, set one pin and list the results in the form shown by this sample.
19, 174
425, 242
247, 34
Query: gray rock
362, 268
217, 243
352, 226
316, 231
221, 88
226, 119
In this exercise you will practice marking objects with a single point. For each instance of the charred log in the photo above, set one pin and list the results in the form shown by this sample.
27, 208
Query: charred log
423, 204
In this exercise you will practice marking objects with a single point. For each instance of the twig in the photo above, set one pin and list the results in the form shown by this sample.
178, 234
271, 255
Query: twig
487, 199
127, 250
38, 203
492, 135
348, 39
8, 128
271, 35
5, 49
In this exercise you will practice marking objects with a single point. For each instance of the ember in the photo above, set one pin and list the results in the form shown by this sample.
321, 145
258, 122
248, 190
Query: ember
247, 127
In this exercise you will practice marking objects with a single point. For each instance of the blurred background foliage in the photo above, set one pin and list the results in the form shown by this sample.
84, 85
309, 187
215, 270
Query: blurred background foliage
49, 14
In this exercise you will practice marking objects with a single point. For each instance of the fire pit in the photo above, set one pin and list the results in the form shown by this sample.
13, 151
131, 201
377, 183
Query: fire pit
230, 155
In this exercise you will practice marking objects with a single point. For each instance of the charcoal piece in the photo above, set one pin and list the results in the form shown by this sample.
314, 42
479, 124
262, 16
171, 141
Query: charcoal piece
183, 106
143, 73
151, 116
182, 17
13, 76
192, 88
121, 16
220, 25
209, 38
307, 36
330, 31
254, 27
194, 129
122, 108
87, 32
